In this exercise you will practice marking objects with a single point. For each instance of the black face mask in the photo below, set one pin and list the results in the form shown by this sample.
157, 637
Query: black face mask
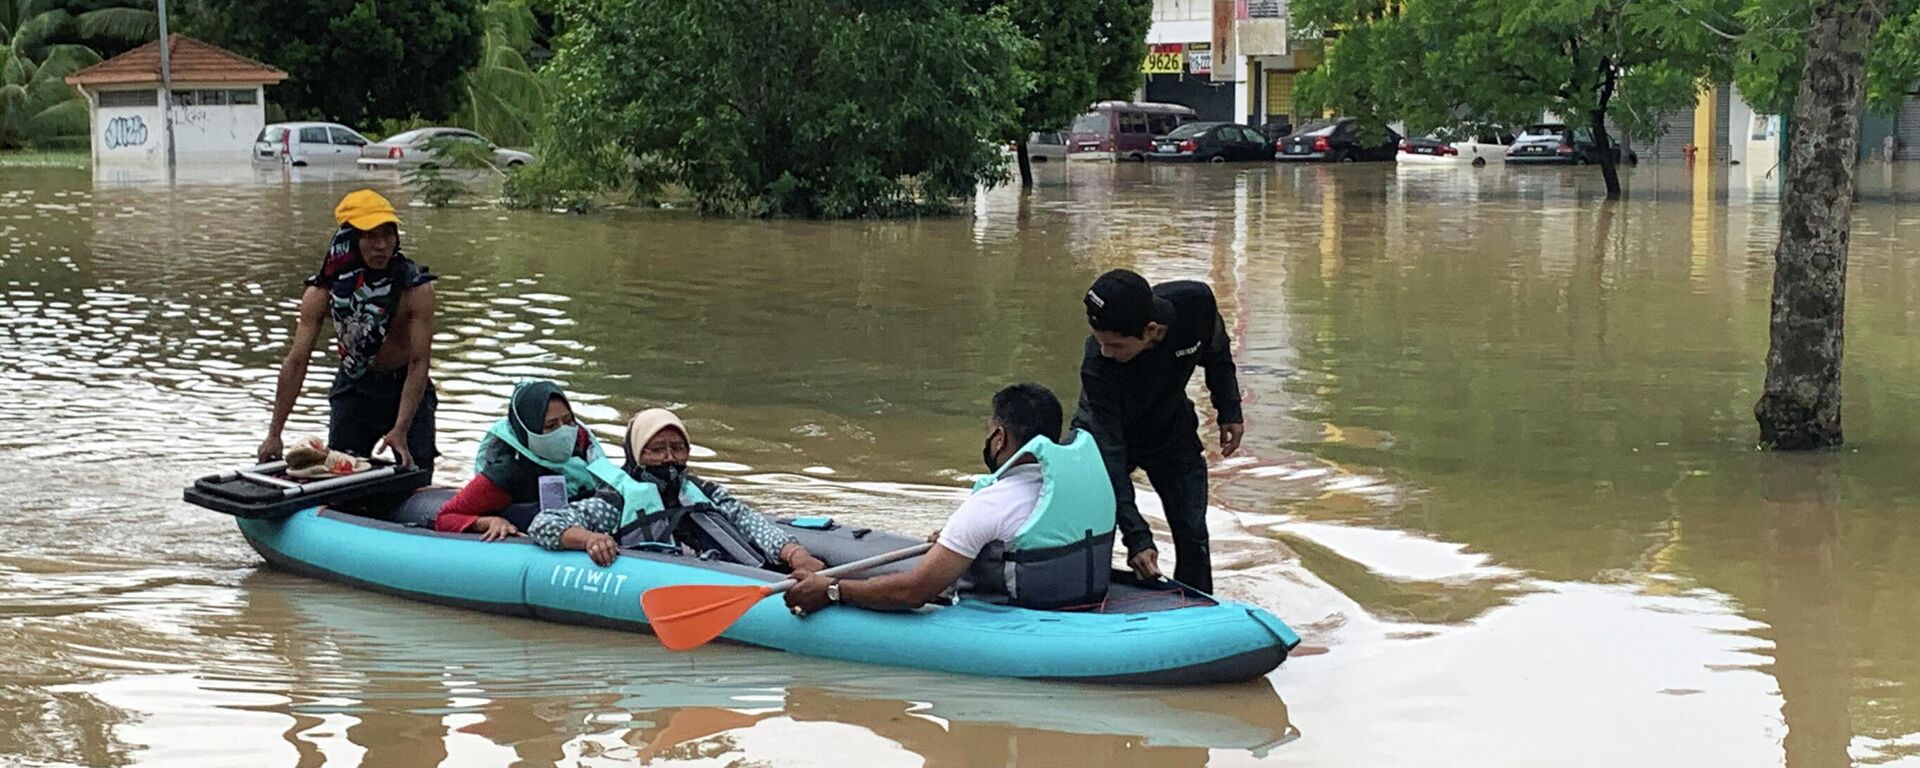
986, 455
670, 474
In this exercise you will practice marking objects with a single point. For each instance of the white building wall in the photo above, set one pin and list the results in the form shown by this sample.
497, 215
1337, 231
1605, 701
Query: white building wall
129, 136
216, 133
1739, 127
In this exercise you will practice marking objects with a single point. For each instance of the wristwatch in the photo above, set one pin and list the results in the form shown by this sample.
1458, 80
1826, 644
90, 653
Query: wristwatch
833, 591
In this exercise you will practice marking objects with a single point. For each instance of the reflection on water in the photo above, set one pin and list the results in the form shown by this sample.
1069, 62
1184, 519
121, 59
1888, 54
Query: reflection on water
1498, 463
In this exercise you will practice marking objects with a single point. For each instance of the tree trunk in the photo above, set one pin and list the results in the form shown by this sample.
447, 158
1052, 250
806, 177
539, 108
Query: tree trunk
1807, 606
1609, 166
1026, 164
1800, 408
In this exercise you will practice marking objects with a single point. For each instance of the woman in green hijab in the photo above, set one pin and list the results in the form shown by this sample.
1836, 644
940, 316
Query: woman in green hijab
538, 438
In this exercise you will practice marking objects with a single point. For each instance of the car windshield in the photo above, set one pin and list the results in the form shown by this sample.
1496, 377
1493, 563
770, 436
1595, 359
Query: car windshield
407, 137
1543, 131
1190, 130
1091, 122
273, 134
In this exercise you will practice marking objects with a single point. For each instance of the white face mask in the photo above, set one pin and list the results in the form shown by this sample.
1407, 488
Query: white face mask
555, 446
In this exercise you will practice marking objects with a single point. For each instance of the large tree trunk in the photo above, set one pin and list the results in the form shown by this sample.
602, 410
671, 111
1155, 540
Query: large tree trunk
1026, 163
1801, 406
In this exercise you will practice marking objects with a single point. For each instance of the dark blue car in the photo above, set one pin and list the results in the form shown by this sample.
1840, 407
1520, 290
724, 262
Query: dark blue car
1211, 143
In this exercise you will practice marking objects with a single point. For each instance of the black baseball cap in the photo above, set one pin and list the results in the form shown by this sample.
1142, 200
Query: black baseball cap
1121, 301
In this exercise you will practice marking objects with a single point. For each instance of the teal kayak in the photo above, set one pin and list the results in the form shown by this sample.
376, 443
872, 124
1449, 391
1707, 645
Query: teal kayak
1143, 634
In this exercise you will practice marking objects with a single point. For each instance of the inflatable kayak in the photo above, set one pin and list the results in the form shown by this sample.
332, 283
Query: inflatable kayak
1145, 634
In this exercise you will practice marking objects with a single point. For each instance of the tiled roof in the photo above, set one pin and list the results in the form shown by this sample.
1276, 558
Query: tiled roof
192, 61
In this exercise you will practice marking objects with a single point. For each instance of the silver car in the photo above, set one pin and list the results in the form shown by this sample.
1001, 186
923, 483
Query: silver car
408, 149
302, 144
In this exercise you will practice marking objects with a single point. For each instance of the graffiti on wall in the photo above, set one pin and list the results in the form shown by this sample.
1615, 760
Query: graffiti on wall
128, 131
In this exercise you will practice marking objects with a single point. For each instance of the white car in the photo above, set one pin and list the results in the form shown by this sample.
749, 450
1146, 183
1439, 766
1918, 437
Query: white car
304, 144
1475, 149
408, 149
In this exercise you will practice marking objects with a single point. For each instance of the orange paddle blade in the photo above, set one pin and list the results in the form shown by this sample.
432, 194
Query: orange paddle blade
697, 723
687, 616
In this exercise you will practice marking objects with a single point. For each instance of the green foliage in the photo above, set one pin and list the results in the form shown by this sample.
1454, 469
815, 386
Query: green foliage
1773, 50
1084, 51
570, 183
68, 158
503, 97
41, 42
1439, 62
445, 178
393, 126
353, 61
829, 108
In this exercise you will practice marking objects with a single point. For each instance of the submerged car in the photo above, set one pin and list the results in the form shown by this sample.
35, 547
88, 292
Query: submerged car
1336, 141
1123, 130
409, 149
1211, 143
1556, 144
1042, 147
303, 144
1476, 149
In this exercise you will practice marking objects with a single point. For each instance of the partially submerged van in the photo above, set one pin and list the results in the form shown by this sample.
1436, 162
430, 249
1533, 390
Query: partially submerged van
1123, 130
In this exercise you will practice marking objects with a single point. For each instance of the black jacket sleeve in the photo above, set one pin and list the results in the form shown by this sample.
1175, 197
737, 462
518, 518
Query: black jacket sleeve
1223, 383
1099, 414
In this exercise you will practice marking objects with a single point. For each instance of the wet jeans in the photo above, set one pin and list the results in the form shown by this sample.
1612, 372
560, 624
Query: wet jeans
363, 409
1181, 482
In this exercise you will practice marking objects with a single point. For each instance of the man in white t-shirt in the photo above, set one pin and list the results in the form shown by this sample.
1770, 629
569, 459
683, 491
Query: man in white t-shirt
1020, 413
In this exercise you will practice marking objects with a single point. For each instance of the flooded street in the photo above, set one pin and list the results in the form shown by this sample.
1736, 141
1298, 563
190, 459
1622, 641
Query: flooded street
1498, 463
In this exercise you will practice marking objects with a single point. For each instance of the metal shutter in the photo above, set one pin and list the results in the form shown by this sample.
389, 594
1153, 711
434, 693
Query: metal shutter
1672, 146
1906, 128
1209, 101
1722, 115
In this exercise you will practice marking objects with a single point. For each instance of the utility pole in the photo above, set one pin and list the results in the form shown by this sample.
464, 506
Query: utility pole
166, 85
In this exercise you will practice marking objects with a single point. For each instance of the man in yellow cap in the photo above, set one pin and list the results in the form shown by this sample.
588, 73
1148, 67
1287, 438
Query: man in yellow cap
381, 303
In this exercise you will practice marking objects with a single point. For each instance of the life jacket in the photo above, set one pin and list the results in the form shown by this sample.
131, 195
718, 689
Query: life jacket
647, 522
1063, 555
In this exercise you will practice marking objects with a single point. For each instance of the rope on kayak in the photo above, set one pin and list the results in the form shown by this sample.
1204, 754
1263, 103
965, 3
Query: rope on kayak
1109, 604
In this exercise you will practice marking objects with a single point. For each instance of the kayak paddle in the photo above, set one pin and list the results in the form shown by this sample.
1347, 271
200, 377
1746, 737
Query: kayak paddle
687, 616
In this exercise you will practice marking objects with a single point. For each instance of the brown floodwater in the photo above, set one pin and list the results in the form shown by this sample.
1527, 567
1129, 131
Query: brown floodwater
1499, 464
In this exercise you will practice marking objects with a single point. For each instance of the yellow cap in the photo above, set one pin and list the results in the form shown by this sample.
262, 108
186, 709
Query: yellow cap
364, 209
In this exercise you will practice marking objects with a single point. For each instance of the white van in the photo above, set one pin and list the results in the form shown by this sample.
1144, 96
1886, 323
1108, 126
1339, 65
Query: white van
303, 144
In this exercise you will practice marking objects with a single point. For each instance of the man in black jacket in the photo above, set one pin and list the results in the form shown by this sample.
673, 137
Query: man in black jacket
1133, 397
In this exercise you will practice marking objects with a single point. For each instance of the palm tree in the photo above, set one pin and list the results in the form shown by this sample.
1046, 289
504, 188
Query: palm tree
43, 41
504, 96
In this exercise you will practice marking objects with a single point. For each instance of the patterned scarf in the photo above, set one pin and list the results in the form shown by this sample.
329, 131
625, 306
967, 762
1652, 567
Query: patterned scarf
363, 301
